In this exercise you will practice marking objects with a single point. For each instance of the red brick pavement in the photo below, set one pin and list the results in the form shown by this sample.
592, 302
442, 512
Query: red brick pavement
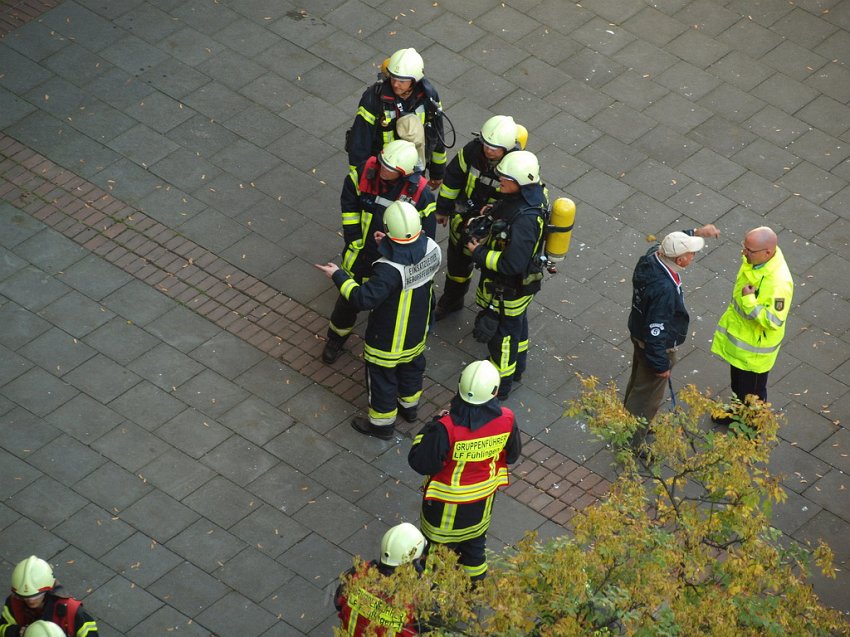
15, 13
545, 479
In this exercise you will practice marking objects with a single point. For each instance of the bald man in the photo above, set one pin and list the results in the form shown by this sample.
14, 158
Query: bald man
751, 329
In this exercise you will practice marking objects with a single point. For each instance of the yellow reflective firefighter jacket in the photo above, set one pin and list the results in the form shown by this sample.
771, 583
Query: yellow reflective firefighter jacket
751, 329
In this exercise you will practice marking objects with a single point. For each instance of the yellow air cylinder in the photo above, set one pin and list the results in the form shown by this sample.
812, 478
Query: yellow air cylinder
521, 136
560, 229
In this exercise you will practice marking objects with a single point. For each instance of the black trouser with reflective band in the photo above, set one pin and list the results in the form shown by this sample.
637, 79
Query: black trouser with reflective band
387, 387
459, 266
462, 528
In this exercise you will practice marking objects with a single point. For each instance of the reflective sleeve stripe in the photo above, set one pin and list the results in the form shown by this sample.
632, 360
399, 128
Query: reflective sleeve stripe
461, 161
449, 193
438, 158
746, 346
86, 628
351, 218
491, 260
366, 115
9, 618
348, 287
755, 312
417, 439
428, 210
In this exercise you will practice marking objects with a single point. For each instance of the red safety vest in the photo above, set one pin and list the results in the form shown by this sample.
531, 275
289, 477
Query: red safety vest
65, 620
476, 465
360, 609
370, 186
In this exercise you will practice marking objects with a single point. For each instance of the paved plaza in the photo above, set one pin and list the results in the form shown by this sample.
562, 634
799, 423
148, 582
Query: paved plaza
169, 172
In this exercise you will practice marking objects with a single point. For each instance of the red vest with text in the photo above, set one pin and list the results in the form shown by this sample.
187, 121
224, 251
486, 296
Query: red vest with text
476, 464
360, 609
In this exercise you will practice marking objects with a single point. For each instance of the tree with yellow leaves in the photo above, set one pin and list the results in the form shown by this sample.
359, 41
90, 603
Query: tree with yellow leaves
680, 546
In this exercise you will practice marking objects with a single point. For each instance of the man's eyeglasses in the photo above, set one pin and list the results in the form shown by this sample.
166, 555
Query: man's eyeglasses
751, 251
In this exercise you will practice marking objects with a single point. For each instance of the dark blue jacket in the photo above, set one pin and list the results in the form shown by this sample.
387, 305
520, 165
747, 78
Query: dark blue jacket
658, 318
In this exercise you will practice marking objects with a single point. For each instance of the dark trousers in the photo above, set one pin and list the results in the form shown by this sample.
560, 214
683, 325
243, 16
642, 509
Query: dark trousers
387, 386
462, 528
645, 391
509, 349
459, 267
745, 383
343, 318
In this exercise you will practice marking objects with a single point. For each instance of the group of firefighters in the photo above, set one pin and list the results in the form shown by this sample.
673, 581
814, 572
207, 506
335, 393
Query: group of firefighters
491, 198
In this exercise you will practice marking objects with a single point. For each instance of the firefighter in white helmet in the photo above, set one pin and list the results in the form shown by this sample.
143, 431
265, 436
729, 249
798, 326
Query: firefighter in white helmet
361, 610
511, 271
401, 89
36, 595
465, 455
470, 183
390, 175
399, 299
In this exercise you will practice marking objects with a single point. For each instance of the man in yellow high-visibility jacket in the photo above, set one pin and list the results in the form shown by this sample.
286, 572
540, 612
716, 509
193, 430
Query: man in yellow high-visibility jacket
751, 329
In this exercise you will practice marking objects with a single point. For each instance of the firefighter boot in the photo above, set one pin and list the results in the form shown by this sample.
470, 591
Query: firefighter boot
333, 350
364, 426
451, 300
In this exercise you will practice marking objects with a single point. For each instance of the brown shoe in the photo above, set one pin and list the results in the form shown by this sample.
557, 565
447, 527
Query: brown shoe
384, 432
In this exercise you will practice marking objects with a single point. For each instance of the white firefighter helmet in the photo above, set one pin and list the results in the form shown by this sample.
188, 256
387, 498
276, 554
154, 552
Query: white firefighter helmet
402, 221
402, 544
521, 166
500, 131
479, 382
32, 576
399, 155
42, 628
406, 64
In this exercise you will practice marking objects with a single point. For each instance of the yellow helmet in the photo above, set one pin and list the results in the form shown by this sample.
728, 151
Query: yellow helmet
500, 131
402, 221
521, 166
43, 628
31, 577
406, 64
399, 155
521, 136
402, 544
479, 382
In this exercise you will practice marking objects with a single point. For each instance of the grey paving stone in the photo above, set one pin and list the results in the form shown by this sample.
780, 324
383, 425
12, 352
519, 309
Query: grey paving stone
688, 80
147, 22
141, 559
313, 448
766, 159
775, 126
76, 314
797, 468
253, 574
38, 391
77, 63
270, 531
36, 41
130, 446
176, 474
239, 460
755, 192
300, 603
316, 559
137, 302
813, 183
822, 150
118, 88
213, 230
711, 169
193, 432
656, 179
721, 136
600, 190
185, 170
23, 537
101, 378
93, 530
229, 194
666, 145
231, 69
80, 573
112, 487
750, 38
28, 432
18, 227
591, 68
205, 545
126, 180
227, 354
32, 288
827, 310
122, 603
222, 502
23, 74
234, 612
66, 460
803, 28
84, 418
170, 205
165, 367
121, 341
785, 93
79, 24
406, 509
700, 203
697, 48
189, 589
94, 277
828, 492
511, 519
15, 474
46, 502
815, 388
211, 393
332, 516
835, 450
190, 46
318, 408
142, 145
256, 255
12, 365
829, 528
286, 488
133, 54
794, 512
167, 620
259, 126
204, 17
159, 112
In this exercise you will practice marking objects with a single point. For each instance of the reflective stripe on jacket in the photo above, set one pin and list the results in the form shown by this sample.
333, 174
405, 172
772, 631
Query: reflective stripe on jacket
751, 329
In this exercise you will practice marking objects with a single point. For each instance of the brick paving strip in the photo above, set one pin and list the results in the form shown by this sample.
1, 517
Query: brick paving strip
546, 480
16, 13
